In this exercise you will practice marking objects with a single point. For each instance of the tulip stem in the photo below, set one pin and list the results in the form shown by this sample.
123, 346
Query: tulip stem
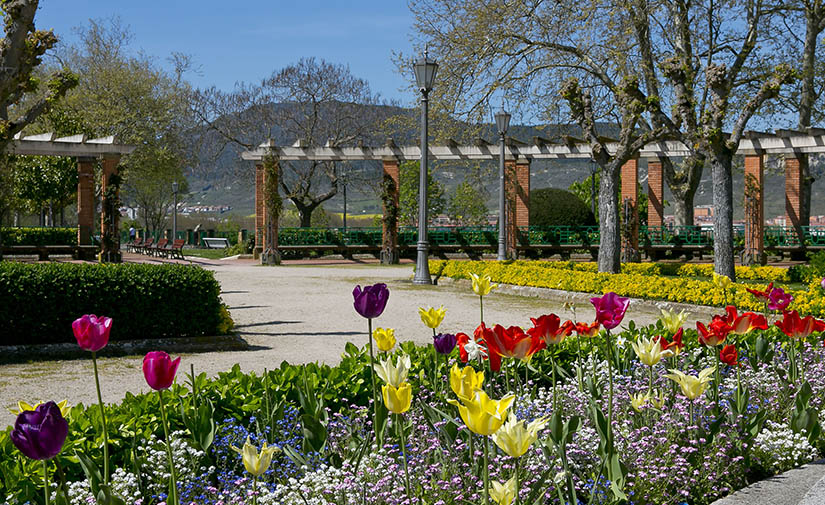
103, 421
403, 442
254, 490
486, 473
579, 370
610, 390
553, 375
372, 378
46, 479
173, 485
481, 306
518, 483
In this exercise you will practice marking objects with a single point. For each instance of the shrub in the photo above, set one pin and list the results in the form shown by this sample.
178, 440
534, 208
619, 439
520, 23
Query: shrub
38, 302
557, 207
39, 236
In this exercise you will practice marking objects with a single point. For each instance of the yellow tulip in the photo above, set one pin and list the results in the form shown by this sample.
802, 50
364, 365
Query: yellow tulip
384, 338
482, 285
692, 387
673, 321
638, 401
657, 401
24, 406
514, 438
465, 381
649, 351
481, 414
432, 317
722, 281
255, 463
397, 400
394, 375
503, 494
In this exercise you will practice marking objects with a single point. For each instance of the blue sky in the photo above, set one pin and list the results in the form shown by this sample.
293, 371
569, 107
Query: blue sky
254, 37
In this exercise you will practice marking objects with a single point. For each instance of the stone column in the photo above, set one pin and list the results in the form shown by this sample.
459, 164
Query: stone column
655, 193
754, 211
85, 200
110, 211
629, 211
517, 191
260, 211
389, 223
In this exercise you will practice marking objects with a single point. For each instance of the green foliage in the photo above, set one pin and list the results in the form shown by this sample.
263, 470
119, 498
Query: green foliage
38, 302
43, 179
39, 236
583, 189
557, 207
408, 194
467, 205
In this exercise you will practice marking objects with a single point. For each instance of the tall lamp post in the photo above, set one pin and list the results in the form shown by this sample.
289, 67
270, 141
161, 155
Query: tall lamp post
502, 122
175, 211
424, 76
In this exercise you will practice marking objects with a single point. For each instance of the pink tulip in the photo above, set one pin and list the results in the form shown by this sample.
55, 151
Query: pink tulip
159, 369
92, 332
610, 309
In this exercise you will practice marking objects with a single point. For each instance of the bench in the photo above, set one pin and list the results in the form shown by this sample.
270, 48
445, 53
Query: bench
176, 249
146, 247
215, 242
160, 248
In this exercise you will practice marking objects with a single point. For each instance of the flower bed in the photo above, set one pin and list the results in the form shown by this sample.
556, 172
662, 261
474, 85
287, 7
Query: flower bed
597, 411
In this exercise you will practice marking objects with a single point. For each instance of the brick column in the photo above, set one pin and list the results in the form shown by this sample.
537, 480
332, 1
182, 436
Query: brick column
260, 210
389, 223
85, 200
517, 193
793, 185
754, 211
655, 193
629, 210
110, 211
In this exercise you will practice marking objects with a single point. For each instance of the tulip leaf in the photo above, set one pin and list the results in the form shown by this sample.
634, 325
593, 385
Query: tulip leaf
315, 433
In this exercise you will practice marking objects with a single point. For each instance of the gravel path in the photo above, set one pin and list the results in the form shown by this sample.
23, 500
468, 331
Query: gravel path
295, 313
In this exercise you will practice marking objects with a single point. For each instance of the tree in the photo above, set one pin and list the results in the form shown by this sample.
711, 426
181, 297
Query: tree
46, 182
408, 182
467, 205
675, 69
311, 102
153, 170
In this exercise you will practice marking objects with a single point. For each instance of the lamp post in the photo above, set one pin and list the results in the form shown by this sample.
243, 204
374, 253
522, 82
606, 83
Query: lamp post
175, 211
424, 76
502, 122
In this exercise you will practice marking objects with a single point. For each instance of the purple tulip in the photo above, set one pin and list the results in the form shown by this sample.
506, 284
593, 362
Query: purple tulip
779, 299
444, 343
610, 309
159, 369
40, 433
370, 301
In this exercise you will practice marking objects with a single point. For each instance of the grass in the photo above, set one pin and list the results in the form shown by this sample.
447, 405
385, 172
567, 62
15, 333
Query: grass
212, 254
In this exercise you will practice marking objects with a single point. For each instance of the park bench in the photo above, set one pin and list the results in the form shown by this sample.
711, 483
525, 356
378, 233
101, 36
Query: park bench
215, 242
160, 247
176, 249
147, 246
133, 245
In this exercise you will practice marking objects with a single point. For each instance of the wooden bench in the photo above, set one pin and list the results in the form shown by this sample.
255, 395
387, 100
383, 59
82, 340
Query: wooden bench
146, 247
160, 248
134, 245
176, 249
215, 242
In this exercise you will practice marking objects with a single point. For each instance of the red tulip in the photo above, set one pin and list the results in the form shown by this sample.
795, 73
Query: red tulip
676, 346
610, 309
795, 327
92, 332
483, 335
716, 333
587, 330
728, 355
745, 323
549, 329
512, 342
159, 369
762, 296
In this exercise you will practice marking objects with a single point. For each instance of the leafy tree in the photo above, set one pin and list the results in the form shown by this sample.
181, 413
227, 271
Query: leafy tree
408, 194
557, 207
46, 181
467, 205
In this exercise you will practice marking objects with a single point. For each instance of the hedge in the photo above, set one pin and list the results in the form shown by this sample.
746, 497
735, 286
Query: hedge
647, 285
38, 302
39, 236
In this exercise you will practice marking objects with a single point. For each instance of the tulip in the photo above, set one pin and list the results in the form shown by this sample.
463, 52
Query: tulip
159, 369
371, 301
779, 299
256, 463
514, 438
657, 401
92, 332
610, 309
745, 323
762, 296
692, 386
549, 329
40, 433
469, 349
676, 346
728, 355
672, 321
512, 342
504, 494
397, 399
650, 351
394, 375
465, 382
484, 335
822, 283
587, 330
639, 400
23, 406
481, 414
482, 285
722, 282
384, 338
795, 327
715, 334
444, 343
432, 317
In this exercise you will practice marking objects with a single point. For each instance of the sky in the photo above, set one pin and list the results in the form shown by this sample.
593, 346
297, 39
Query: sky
252, 38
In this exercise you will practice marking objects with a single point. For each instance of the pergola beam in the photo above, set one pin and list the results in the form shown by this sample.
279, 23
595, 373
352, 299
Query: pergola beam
76, 146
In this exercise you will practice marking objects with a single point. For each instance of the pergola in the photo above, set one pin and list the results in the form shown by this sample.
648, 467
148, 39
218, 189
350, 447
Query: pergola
754, 146
86, 151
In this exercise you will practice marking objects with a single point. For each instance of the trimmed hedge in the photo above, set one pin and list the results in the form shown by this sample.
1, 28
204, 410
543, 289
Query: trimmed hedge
39, 236
557, 207
38, 302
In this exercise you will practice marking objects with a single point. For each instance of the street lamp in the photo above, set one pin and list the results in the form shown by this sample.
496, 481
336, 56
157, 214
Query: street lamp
424, 76
175, 211
502, 122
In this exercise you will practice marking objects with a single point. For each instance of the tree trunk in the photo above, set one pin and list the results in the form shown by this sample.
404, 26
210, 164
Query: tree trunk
806, 103
609, 236
682, 209
304, 212
723, 259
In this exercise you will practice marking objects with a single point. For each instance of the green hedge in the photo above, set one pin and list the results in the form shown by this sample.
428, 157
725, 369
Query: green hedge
39, 236
38, 302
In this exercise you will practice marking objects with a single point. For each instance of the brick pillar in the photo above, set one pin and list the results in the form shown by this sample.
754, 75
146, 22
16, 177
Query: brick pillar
754, 211
110, 211
629, 210
85, 200
517, 194
793, 185
390, 206
655, 193
260, 210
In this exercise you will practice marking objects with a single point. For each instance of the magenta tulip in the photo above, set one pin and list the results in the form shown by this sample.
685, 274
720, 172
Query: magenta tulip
610, 309
92, 332
778, 299
159, 369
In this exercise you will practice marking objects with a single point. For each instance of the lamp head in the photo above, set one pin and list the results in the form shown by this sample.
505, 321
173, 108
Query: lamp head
425, 70
502, 121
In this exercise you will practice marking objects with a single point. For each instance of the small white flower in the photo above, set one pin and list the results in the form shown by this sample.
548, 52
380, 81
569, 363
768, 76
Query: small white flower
474, 351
